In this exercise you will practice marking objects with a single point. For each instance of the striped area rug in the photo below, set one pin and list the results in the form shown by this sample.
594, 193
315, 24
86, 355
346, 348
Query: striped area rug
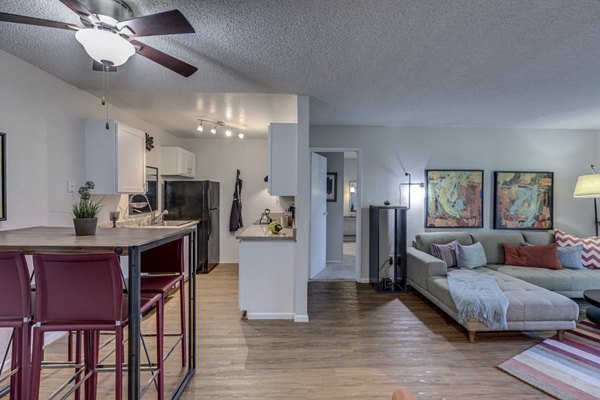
567, 369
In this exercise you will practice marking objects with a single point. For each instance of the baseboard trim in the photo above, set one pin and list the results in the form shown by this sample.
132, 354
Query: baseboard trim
334, 261
301, 318
251, 315
364, 280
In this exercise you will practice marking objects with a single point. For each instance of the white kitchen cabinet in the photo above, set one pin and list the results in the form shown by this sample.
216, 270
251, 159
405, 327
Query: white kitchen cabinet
283, 156
177, 161
115, 158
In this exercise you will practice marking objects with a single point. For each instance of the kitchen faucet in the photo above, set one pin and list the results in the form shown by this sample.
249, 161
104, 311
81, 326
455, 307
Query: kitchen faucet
158, 218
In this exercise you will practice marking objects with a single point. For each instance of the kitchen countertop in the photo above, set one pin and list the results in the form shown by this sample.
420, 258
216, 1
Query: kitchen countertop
261, 232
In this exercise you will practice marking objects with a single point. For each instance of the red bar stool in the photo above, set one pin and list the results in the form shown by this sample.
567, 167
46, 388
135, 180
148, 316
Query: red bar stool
15, 313
84, 292
165, 266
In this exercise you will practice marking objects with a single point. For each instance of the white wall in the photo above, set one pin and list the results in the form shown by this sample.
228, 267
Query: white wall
385, 150
43, 118
335, 210
217, 160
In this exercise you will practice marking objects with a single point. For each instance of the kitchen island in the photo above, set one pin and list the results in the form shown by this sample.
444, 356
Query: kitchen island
266, 274
123, 241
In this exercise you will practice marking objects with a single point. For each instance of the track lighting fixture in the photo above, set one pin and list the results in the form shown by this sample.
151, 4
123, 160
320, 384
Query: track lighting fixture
215, 126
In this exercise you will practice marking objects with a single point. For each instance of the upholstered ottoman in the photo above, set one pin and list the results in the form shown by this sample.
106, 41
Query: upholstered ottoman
530, 307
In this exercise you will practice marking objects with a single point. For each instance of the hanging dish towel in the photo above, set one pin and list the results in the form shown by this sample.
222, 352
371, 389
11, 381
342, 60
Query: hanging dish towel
235, 218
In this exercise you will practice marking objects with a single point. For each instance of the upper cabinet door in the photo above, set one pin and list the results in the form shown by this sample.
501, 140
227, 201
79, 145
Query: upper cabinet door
115, 159
131, 160
177, 162
283, 156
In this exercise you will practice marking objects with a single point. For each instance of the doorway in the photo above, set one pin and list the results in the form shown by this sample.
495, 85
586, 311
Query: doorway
342, 232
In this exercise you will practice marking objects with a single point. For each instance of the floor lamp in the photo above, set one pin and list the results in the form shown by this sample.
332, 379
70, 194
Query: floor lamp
589, 186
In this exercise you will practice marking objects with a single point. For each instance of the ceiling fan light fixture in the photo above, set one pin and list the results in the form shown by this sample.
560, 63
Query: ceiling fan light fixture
106, 47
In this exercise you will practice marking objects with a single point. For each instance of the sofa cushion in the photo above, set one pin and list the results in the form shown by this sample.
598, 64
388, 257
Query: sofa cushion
492, 243
570, 256
544, 256
591, 247
423, 241
538, 237
527, 302
445, 252
571, 282
470, 256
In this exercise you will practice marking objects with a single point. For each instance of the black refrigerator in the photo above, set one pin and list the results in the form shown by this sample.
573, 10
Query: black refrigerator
199, 200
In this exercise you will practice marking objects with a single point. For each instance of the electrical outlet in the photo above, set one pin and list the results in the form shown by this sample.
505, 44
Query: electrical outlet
391, 260
70, 186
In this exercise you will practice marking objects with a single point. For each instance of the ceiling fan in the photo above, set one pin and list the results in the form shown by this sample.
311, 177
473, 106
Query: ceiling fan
109, 31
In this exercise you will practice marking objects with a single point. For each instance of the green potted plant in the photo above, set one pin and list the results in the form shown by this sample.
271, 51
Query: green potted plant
86, 211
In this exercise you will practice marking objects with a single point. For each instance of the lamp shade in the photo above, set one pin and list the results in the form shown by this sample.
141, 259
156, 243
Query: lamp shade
587, 186
105, 47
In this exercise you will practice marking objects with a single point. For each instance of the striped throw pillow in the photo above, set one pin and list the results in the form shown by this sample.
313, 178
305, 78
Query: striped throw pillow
590, 257
445, 252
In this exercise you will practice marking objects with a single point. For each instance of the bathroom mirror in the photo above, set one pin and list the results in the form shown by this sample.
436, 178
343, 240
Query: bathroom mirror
352, 197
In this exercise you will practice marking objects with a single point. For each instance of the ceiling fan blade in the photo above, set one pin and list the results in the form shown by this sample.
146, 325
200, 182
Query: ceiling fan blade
96, 66
22, 19
174, 64
77, 8
165, 23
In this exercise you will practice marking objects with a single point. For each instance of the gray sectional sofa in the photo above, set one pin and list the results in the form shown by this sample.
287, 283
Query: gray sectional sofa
539, 298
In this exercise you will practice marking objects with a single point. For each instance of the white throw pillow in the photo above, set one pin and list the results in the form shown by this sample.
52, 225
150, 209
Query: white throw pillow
471, 256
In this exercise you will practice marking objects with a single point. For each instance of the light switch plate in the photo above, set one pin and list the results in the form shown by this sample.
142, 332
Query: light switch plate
70, 186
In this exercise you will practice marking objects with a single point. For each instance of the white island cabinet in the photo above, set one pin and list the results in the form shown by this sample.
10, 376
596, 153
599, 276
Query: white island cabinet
115, 158
266, 276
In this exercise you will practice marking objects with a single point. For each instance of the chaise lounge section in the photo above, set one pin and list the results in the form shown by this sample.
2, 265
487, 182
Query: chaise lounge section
538, 298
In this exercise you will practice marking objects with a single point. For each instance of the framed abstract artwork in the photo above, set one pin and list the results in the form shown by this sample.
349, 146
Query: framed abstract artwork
523, 200
332, 186
2, 177
454, 198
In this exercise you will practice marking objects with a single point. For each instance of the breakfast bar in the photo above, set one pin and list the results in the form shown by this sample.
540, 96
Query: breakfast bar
129, 242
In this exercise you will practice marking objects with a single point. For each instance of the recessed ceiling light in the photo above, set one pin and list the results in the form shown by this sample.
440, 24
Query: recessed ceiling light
241, 135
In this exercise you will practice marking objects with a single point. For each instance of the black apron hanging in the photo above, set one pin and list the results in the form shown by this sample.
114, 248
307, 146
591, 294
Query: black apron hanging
235, 218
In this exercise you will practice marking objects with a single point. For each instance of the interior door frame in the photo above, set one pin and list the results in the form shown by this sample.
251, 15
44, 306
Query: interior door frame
359, 177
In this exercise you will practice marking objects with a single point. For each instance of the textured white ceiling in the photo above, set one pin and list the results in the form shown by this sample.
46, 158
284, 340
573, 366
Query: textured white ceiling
477, 63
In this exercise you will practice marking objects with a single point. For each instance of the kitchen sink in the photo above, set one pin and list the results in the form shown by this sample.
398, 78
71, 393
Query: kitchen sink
165, 224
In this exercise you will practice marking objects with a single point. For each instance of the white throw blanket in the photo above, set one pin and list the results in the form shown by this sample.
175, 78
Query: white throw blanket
478, 296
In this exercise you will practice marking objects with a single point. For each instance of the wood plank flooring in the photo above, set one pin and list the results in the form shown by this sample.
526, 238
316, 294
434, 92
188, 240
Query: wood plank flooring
358, 345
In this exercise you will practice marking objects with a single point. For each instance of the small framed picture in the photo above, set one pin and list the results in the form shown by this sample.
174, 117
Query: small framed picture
332, 186
523, 200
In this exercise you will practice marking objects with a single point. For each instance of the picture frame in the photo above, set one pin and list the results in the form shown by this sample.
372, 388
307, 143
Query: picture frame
2, 176
331, 189
454, 198
524, 200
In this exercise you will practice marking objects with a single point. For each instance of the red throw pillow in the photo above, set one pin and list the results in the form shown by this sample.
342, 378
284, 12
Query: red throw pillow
545, 256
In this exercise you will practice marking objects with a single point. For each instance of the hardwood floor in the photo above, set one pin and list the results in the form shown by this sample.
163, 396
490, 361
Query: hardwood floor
358, 345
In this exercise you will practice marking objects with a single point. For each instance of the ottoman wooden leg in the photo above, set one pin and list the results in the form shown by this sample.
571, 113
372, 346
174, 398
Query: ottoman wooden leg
471, 336
560, 334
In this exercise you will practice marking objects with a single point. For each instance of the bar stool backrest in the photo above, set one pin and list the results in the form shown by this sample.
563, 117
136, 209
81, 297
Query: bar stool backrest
78, 287
166, 258
15, 297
